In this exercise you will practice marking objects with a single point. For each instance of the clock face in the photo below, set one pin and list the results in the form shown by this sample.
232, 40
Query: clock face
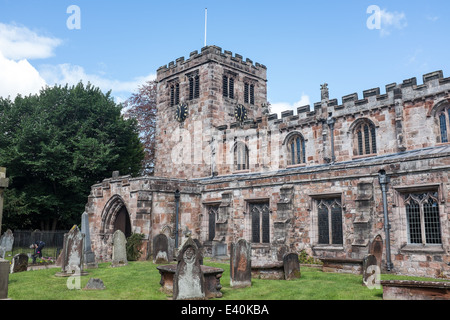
240, 113
181, 112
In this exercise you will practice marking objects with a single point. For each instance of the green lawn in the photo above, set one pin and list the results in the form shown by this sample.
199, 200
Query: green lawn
140, 281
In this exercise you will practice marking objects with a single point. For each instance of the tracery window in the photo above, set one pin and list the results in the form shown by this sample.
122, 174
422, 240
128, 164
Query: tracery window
329, 212
422, 213
444, 121
260, 222
296, 150
365, 138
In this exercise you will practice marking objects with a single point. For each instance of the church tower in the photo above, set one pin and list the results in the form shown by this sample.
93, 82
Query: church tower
195, 96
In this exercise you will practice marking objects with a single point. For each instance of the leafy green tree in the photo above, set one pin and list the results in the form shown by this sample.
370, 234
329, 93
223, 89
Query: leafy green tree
55, 145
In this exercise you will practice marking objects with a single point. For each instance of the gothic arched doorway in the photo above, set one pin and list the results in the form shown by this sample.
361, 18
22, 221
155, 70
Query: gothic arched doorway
115, 217
122, 222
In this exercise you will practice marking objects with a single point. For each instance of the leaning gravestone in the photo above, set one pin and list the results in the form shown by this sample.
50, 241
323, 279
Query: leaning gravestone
19, 263
189, 281
291, 266
7, 240
161, 252
240, 264
89, 256
119, 252
72, 254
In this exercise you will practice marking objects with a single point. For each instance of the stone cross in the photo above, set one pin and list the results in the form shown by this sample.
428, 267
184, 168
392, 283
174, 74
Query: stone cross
119, 252
240, 264
189, 281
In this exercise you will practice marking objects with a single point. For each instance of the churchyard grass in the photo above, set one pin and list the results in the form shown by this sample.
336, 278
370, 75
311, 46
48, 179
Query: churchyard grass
140, 281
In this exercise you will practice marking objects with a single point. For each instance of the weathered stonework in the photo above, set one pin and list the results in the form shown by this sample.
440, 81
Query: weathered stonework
196, 157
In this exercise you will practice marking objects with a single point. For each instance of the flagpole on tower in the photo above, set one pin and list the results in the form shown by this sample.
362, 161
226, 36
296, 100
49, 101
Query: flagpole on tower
206, 20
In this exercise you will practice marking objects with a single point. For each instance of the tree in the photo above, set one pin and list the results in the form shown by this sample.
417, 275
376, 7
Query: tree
142, 107
55, 145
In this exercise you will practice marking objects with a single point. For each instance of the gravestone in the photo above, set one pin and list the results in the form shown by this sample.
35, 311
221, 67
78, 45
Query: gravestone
240, 264
119, 252
291, 266
161, 253
19, 263
4, 278
189, 281
376, 249
219, 250
2, 252
72, 253
89, 256
7, 240
95, 284
371, 271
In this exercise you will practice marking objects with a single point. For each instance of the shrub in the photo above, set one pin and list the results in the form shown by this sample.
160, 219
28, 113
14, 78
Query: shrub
133, 246
304, 258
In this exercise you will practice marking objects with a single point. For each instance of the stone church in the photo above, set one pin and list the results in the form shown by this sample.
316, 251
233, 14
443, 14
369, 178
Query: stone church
327, 179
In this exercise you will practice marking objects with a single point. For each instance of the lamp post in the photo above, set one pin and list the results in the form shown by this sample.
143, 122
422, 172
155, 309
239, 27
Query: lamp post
384, 180
177, 205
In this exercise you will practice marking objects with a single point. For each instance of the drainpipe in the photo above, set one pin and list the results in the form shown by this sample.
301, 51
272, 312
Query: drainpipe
384, 180
177, 205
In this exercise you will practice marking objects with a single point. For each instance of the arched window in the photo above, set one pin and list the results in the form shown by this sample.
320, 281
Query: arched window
365, 138
422, 212
444, 117
296, 150
241, 156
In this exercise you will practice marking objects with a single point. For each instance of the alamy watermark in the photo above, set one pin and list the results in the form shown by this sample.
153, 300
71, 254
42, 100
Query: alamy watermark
74, 20
374, 20
74, 281
374, 279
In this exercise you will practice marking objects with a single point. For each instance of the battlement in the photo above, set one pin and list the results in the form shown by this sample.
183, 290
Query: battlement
433, 83
207, 54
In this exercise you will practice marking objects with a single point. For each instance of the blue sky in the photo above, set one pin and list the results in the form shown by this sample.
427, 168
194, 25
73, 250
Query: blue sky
120, 44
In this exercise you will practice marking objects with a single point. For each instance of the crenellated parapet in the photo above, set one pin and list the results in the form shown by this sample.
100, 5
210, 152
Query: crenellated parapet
208, 54
434, 85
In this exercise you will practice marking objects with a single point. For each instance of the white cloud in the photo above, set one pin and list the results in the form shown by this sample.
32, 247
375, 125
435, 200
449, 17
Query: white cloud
391, 20
432, 18
18, 42
73, 74
18, 77
279, 107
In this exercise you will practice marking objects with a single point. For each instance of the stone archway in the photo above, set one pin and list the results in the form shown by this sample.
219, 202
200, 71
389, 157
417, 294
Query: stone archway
114, 217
